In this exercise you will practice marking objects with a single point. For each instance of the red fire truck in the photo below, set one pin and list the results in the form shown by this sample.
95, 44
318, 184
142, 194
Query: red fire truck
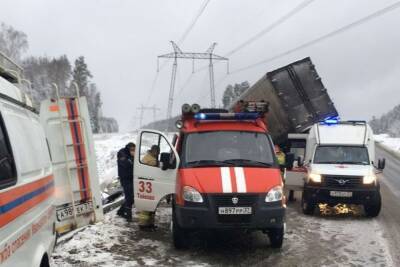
221, 170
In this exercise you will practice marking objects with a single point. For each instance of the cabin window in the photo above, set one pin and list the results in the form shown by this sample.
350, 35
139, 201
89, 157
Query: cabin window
8, 175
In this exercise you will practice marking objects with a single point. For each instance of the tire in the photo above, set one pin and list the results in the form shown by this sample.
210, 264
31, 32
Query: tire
179, 235
45, 261
276, 237
307, 206
372, 210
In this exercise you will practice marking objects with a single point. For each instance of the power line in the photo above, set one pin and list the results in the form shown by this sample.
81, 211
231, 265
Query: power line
183, 37
272, 26
324, 37
194, 21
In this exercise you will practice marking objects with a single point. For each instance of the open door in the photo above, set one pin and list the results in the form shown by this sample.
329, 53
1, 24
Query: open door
295, 174
68, 131
154, 171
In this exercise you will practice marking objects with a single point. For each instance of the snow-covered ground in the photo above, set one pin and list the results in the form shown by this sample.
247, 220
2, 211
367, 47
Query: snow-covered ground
340, 237
390, 142
107, 146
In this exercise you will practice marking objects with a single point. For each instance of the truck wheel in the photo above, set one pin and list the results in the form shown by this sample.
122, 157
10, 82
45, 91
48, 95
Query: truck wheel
373, 209
179, 235
276, 237
307, 206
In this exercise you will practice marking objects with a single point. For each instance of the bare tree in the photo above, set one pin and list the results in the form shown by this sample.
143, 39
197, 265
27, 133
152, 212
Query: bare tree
13, 43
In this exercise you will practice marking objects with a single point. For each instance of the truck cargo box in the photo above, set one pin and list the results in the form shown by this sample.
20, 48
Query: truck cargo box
297, 98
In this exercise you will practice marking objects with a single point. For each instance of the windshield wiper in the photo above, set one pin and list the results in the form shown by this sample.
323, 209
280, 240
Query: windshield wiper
207, 162
352, 162
248, 162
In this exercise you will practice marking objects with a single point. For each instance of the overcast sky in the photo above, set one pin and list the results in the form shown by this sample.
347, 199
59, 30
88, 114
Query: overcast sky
121, 40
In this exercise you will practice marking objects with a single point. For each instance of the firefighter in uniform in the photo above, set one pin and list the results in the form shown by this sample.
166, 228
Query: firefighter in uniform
146, 218
125, 172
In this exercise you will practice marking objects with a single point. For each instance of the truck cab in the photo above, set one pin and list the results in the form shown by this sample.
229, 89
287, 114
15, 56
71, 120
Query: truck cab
340, 166
221, 170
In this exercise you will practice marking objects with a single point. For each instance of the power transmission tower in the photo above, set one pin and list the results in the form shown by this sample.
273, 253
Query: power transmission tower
208, 55
143, 109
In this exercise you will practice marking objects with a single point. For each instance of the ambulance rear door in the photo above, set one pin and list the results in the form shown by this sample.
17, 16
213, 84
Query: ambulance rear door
69, 135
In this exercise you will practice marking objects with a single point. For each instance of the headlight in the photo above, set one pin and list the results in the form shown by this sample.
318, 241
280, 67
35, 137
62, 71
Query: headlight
315, 177
369, 179
191, 195
275, 194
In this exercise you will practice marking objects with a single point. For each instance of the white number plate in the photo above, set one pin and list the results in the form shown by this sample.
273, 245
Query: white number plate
234, 210
81, 208
341, 194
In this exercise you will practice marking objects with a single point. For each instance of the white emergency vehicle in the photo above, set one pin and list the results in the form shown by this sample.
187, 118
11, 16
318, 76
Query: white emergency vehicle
340, 166
48, 176
27, 229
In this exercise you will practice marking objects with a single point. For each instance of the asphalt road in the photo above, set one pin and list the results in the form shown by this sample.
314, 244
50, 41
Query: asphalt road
340, 236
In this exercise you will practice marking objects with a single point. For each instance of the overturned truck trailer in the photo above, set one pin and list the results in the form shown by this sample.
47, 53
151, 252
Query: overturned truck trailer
297, 98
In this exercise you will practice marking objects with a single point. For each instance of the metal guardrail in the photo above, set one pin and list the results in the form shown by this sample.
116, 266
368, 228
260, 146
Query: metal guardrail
9, 69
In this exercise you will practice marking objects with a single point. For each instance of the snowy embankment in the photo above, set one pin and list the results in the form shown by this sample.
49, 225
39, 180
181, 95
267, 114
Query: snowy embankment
107, 146
392, 143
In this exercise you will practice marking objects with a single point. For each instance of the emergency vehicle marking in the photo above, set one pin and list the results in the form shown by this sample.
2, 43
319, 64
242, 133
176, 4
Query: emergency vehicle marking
233, 180
17, 201
11, 247
79, 151
226, 180
240, 180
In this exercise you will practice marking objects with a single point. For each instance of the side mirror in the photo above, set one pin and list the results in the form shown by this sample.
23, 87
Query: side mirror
166, 161
289, 161
381, 164
300, 161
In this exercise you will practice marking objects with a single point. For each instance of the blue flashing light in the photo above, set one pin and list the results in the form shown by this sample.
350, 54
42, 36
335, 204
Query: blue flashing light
331, 121
227, 116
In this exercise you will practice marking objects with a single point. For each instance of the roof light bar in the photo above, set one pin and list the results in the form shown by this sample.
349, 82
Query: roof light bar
331, 121
227, 116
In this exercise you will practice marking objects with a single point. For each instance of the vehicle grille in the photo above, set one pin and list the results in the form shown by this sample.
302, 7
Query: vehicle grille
343, 181
225, 200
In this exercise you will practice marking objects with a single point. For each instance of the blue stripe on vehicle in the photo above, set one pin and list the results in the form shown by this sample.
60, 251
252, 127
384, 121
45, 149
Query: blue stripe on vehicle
22, 199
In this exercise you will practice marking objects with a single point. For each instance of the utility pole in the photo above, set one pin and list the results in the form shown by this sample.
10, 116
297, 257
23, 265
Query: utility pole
143, 109
208, 55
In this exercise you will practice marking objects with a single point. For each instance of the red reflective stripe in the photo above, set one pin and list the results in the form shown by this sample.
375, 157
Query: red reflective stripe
83, 159
74, 142
19, 191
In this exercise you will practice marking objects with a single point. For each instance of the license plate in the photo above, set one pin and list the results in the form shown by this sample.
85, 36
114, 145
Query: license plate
234, 210
341, 194
66, 213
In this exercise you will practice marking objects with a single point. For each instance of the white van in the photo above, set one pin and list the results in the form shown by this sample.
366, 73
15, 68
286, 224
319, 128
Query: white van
340, 166
27, 229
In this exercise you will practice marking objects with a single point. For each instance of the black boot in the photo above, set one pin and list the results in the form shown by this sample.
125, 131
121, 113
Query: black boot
121, 212
128, 215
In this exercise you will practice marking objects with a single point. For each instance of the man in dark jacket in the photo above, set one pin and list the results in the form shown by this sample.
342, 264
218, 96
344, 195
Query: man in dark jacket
125, 172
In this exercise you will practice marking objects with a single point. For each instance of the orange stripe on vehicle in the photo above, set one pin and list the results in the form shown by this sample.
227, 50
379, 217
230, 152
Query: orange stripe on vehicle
74, 142
22, 201
83, 159
15, 193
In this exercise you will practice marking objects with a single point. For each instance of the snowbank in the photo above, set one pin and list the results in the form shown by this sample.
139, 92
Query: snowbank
391, 142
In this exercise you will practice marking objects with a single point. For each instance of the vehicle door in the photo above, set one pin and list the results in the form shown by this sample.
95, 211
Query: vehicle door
154, 175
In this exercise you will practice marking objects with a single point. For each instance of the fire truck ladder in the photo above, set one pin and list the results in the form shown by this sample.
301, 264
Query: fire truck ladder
83, 163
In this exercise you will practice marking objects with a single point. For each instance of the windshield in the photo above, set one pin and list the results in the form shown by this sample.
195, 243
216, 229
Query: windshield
227, 148
341, 155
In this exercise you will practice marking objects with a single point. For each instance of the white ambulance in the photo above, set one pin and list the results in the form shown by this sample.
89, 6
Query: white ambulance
27, 229
341, 168
48, 177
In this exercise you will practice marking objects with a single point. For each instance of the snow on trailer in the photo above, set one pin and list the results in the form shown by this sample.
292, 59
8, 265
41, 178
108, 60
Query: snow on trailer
68, 130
